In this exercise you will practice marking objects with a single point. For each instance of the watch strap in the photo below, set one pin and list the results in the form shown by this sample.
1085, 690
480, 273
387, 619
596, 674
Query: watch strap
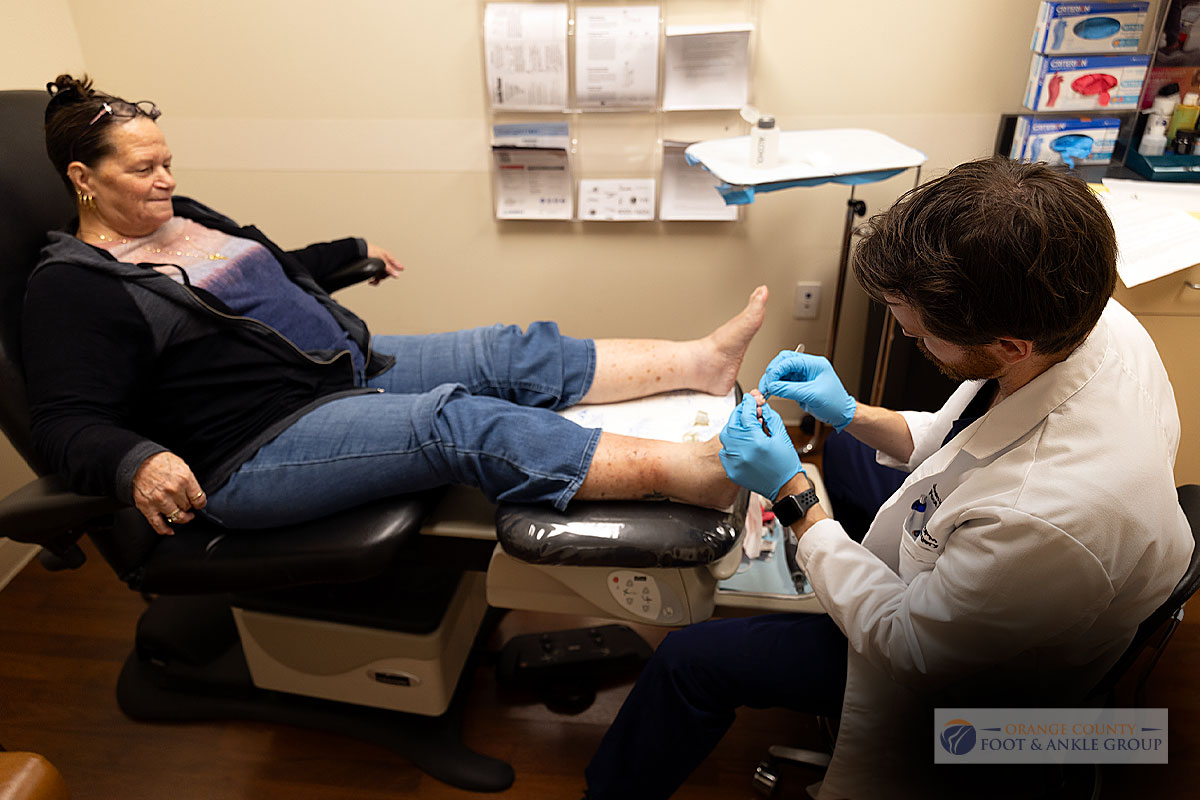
791, 509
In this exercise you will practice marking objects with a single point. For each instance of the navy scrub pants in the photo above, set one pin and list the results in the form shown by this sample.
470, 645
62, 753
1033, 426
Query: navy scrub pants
687, 696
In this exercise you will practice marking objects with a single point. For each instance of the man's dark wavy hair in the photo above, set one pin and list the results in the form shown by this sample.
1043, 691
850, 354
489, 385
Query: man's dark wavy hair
995, 248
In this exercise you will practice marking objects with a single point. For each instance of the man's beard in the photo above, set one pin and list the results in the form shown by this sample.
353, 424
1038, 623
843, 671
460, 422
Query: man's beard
977, 364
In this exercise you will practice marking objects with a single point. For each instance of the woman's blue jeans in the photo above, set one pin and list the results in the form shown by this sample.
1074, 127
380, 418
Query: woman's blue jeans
473, 407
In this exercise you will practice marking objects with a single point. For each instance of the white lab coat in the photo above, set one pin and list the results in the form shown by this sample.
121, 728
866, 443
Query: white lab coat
1014, 564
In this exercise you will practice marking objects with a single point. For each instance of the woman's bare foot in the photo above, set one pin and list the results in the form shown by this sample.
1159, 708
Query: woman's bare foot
631, 368
720, 353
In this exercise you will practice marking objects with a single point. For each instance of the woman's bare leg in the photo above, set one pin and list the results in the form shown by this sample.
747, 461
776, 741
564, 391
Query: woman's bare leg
631, 368
628, 468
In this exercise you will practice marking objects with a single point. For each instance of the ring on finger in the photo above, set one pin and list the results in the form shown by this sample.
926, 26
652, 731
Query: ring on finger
173, 516
198, 495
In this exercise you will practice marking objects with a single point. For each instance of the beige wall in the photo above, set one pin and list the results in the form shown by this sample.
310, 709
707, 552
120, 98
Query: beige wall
314, 119
37, 41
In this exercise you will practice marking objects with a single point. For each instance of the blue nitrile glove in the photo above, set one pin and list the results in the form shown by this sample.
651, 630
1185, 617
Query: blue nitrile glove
752, 459
811, 382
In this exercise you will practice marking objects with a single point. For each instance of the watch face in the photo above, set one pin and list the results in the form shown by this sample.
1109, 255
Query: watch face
787, 511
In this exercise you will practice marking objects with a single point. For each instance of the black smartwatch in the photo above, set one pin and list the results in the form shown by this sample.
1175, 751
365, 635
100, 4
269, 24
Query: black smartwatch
791, 509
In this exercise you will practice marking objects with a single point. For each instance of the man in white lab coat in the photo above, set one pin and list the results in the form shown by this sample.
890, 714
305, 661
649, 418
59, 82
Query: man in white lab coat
1037, 528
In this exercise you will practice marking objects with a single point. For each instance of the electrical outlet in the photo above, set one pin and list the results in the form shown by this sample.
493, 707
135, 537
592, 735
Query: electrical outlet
808, 300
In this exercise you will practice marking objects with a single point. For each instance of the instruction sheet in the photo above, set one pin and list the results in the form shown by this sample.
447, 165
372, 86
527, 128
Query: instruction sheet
525, 48
706, 67
616, 199
689, 191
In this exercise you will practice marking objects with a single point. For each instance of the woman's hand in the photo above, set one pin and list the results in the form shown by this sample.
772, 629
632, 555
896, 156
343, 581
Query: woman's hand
394, 267
164, 490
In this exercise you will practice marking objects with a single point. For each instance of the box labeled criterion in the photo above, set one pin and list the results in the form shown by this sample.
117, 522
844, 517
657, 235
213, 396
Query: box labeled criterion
1089, 27
1085, 83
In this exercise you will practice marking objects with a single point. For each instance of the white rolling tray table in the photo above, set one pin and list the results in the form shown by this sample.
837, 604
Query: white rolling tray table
850, 156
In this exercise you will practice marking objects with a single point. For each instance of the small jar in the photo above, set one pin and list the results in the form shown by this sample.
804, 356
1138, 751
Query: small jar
1185, 142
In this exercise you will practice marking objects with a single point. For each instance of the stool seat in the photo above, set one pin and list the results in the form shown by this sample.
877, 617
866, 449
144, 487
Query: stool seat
28, 776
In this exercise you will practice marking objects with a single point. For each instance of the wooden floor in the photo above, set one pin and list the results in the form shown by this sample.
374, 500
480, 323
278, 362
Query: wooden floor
64, 636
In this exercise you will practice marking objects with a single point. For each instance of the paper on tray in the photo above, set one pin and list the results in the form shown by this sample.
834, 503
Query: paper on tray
807, 155
672, 417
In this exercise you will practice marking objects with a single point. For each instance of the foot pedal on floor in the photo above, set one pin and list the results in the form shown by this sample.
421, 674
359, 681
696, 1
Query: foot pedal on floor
564, 668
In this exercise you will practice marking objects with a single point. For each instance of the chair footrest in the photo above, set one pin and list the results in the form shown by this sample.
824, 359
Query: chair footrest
620, 534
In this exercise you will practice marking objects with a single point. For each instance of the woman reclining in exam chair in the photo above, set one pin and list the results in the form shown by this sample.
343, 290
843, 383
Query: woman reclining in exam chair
183, 364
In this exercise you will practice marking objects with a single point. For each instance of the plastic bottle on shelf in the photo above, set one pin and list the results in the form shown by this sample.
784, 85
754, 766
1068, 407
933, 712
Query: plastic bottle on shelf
1153, 143
1186, 114
1165, 100
1154, 136
764, 143
1157, 124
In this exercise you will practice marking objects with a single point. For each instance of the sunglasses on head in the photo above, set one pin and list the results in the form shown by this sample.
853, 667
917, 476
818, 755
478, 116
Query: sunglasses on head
119, 109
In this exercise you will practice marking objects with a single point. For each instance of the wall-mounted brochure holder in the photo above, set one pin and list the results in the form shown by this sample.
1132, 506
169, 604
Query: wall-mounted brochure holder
655, 69
617, 165
706, 67
525, 56
689, 192
616, 56
531, 171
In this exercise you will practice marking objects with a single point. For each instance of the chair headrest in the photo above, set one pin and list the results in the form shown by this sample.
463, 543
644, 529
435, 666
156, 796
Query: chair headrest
33, 201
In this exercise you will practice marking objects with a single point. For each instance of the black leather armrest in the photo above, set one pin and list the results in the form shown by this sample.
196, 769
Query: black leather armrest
354, 272
44, 512
350, 545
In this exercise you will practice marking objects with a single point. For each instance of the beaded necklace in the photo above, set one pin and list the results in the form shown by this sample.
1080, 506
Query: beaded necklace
203, 254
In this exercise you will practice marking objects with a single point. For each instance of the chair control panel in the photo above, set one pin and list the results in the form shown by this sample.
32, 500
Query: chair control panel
643, 596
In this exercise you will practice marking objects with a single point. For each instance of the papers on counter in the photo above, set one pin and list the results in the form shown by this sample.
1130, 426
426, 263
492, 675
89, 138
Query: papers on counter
616, 56
525, 47
1156, 234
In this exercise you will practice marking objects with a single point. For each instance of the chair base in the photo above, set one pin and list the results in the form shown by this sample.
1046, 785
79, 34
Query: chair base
411, 671
221, 688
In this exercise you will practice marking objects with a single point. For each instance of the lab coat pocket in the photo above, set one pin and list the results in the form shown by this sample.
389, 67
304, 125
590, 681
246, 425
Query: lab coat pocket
919, 551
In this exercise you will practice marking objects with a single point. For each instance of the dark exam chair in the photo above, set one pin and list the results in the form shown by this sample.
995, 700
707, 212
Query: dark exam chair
343, 623
188, 661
